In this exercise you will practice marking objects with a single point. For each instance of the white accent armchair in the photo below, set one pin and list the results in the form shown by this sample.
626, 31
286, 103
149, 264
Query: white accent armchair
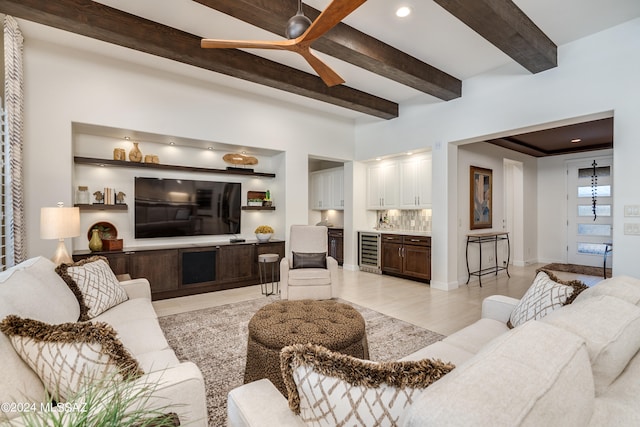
300, 281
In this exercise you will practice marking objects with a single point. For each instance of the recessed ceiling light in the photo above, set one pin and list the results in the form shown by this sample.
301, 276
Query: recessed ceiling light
378, 159
409, 153
575, 140
403, 12
127, 138
172, 143
209, 148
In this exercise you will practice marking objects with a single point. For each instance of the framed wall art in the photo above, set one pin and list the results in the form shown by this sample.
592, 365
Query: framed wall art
481, 187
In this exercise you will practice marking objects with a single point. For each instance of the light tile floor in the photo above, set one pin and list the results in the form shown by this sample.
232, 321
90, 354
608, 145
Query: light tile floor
414, 302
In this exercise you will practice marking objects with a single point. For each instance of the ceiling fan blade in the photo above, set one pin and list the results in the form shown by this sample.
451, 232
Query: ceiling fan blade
330, 17
246, 44
326, 73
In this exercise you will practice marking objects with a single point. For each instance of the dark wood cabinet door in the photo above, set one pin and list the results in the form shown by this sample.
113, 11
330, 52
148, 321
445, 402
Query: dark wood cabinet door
236, 262
336, 245
119, 262
391, 253
339, 248
417, 261
159, 267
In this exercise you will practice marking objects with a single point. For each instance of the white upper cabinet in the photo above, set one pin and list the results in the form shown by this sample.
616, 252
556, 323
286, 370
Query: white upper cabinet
327, 189
415, 183
382, 185
338, 188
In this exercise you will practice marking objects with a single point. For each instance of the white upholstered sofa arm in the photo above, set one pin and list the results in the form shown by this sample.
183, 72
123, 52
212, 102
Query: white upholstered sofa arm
259, 404
498, 307
137, 288
178, 389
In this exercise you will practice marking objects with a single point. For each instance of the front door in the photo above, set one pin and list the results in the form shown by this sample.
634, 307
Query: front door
589, 216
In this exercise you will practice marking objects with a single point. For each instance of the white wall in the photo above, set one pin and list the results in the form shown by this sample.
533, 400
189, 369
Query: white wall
596, 75
63, 86
492, 157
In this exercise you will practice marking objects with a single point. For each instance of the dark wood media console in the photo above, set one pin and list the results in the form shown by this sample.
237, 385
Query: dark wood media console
193, 269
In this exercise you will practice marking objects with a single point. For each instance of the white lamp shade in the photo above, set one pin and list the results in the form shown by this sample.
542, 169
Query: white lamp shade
59, 222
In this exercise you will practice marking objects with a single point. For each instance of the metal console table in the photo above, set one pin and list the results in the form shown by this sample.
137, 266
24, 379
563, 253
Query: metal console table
480, 238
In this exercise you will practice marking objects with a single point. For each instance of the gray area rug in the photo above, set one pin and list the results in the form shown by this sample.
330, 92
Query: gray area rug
215, 339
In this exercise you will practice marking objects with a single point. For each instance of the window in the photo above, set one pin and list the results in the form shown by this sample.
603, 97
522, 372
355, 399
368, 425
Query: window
594, 230
601, 191
587, 210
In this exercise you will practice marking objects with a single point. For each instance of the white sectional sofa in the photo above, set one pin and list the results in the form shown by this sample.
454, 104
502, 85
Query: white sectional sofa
34, 290
578, 366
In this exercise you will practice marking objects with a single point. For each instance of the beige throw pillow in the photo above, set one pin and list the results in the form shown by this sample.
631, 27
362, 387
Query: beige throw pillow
68, 356
94, 284
329, 389
546, 293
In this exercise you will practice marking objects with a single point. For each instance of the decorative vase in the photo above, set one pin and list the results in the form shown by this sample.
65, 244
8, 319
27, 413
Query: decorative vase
95, 244
135, 155
118, 154
82, 195
263, 237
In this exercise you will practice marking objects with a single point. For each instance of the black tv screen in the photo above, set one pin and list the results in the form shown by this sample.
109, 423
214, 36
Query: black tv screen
182, 207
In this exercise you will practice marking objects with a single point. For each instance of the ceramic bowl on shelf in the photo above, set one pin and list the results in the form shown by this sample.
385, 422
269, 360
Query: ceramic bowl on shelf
263, 237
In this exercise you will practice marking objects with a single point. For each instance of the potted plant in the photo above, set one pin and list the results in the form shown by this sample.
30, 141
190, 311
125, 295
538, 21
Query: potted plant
254, 202
263, 233
267, 199
106, 402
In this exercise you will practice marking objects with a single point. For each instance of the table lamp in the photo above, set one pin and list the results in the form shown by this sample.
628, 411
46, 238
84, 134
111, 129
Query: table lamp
59, 223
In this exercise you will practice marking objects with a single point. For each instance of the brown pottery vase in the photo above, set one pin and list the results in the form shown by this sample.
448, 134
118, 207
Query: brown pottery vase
135, 155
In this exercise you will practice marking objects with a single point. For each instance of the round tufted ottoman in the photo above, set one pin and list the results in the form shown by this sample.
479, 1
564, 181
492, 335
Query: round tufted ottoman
336, 326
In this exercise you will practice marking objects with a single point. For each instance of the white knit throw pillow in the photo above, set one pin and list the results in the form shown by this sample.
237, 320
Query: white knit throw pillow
546, 293
94, 284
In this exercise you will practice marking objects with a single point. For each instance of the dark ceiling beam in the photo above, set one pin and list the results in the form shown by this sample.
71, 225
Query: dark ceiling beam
502, 23
101, 22
520, 146
345, 43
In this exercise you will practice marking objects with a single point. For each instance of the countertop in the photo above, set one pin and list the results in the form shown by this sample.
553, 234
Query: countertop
397, 231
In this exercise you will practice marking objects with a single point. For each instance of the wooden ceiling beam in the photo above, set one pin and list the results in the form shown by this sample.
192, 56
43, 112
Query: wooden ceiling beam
506, 26
345, 43
101, 22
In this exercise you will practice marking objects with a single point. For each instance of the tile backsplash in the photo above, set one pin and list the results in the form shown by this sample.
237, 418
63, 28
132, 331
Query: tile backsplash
410, 220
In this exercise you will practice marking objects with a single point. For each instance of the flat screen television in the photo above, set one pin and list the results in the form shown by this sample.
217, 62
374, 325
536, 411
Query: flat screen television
182, 207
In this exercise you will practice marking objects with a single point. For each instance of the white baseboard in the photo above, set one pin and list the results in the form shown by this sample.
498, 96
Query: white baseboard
350, 267
444, 286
